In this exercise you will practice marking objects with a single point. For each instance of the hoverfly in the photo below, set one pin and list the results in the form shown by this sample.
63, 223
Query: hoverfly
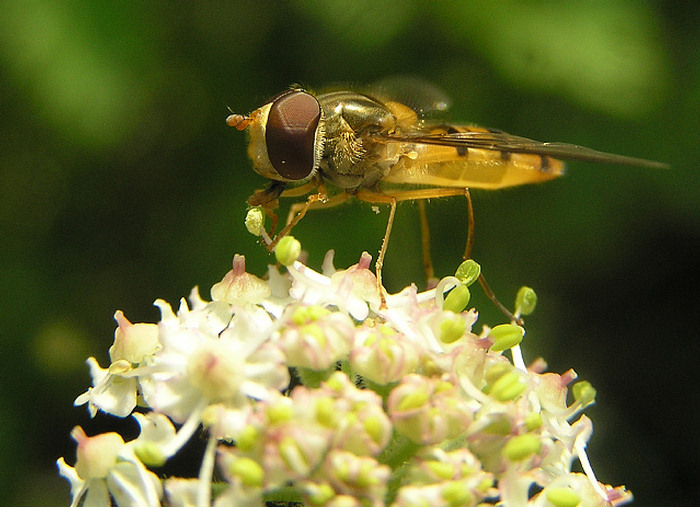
366, 144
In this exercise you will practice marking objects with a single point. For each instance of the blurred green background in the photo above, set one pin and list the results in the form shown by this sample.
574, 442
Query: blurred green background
120, 183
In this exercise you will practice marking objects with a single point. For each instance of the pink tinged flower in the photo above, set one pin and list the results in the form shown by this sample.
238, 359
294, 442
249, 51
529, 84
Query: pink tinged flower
552, 390
106, 467
215, 371
198, 366
361, 477
356, 288
245, 477
280, 285
382, 355
424, 496
353, 291
181, 492
291, 452
238, 287
445, 494
225, 422
429, 410
157, 440
114, 390
514, 487
356, 416
443, 331
434, 464
575, 490
315, 338
133, 342
441, 478
283, 437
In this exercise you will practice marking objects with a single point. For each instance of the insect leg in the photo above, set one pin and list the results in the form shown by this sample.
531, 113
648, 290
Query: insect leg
391, 198
482, 281
382, 252
425, 243
298, 210
470, 226
321, 199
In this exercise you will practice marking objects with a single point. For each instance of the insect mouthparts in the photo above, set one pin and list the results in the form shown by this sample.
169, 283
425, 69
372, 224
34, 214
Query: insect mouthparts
238, 121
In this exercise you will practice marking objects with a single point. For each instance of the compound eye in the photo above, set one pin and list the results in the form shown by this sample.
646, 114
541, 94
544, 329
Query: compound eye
291, 134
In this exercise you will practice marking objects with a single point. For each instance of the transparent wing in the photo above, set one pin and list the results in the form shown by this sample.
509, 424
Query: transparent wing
423, 97
475, 138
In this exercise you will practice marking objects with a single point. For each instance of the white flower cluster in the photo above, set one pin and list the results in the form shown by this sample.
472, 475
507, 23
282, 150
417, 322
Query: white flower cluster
390, 404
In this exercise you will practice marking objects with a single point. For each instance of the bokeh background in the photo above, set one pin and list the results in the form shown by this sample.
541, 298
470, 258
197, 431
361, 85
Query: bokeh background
120, 183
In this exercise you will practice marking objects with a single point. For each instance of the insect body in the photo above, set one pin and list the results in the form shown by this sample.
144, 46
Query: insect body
378, 149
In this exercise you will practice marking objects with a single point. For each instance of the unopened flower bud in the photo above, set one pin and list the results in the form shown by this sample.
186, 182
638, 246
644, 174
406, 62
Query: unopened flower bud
319, 494
521, 447
584, 392
563, 497
452, 329
287, 250
247, 438
457, 300
468, 272
457, 494
525, 301
533, 421
508, 387
150, 454
506, 336
250, 472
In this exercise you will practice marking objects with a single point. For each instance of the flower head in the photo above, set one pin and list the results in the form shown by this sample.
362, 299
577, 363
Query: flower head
398, 404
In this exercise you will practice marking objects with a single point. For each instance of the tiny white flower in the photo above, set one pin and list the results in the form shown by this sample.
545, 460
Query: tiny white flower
114, 390
108, 468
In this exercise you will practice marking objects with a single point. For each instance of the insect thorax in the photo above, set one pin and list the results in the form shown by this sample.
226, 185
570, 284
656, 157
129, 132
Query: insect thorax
351, 158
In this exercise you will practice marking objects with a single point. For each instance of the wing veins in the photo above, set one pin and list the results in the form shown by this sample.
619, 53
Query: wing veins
507, 143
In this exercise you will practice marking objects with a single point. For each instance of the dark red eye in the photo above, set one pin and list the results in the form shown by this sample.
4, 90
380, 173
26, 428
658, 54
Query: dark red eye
291, 134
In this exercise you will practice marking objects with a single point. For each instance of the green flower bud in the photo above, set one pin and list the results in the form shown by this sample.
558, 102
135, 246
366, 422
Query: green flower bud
305, 314
525, 301
326, 411
456, 494
500, 426
457, 300
374, 428
320, 494
255, 221
150, 454
508, 387
584, 392
247, 438
279, 413
506, 336
521, 447
563, 497
452, 329
533, 421
413, 400
468, 272
444, 471
250, 473
287, 250
497, 371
